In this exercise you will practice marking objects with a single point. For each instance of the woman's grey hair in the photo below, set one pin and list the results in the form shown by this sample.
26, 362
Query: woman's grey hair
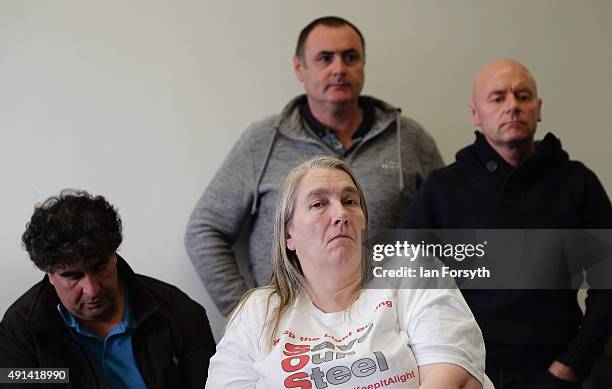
287, 278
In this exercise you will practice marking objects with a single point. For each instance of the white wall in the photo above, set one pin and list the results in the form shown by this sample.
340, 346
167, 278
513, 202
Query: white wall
141, 100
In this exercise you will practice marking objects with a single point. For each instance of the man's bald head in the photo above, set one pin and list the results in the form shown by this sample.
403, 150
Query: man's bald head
506, 107
497, 66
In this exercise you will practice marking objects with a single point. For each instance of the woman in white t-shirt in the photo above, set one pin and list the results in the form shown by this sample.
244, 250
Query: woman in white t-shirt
314, 325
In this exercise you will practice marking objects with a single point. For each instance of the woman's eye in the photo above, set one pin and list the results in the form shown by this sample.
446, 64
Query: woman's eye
318, 204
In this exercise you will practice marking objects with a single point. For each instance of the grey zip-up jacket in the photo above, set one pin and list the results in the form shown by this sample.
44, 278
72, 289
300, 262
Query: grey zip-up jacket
390, 162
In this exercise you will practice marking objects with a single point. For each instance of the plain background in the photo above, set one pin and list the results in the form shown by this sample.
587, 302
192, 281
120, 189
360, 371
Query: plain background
141, 100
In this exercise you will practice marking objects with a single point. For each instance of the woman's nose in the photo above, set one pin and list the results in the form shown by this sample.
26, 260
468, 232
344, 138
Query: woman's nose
341, 220
340, 215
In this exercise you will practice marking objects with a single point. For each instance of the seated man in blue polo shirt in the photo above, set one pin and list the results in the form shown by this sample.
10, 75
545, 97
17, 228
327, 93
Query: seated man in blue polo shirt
93, 315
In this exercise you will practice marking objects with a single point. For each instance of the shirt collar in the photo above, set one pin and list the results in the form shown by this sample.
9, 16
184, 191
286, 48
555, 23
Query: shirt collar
366, 103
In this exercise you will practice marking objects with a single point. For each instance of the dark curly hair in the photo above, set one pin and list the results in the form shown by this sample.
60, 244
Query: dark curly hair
74, 226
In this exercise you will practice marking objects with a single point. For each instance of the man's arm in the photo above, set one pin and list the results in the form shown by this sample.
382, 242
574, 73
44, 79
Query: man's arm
419, 151
596, 325
215, 224
419, 213
13, 349
594, 331
430, 156
198, 345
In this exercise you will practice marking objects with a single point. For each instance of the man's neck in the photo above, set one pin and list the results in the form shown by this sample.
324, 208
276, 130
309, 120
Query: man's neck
343, 120
514, 153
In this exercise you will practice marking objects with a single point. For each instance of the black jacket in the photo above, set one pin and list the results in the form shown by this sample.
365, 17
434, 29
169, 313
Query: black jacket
172, 343
480, 190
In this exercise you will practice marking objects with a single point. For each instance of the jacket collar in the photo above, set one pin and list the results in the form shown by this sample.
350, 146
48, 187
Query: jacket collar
365, 103
291, 123
481, 161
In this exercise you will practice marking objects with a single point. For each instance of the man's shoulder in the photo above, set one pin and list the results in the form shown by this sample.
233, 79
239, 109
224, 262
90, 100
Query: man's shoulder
409, 124
575, 173
167, 296
20, 309
413, 134
444, 175
259, 133
18, 344
413, 139
160, 288
386, 112
582, 178
263, 126
24, 317
580, 169
286, 120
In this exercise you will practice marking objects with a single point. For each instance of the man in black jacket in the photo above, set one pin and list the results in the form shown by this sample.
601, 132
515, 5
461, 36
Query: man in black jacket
506, 180
92, 315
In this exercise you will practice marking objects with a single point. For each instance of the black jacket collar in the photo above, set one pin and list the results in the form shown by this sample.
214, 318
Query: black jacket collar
481, 162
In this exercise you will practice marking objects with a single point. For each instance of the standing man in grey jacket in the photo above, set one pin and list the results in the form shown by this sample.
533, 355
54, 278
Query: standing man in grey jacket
389, 153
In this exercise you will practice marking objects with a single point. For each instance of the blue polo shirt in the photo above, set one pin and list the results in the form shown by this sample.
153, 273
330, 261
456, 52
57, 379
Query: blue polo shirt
114, 353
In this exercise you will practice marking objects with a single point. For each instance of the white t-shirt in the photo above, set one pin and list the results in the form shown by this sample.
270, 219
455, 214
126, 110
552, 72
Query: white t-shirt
378, 343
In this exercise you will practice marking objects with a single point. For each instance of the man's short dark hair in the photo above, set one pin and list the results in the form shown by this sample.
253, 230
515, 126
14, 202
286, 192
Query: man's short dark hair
72, 227
329, 21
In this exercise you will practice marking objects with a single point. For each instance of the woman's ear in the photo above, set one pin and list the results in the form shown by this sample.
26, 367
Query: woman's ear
289, 239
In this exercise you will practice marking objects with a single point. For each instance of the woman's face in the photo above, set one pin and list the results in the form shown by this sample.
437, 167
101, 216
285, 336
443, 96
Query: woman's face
325, 232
